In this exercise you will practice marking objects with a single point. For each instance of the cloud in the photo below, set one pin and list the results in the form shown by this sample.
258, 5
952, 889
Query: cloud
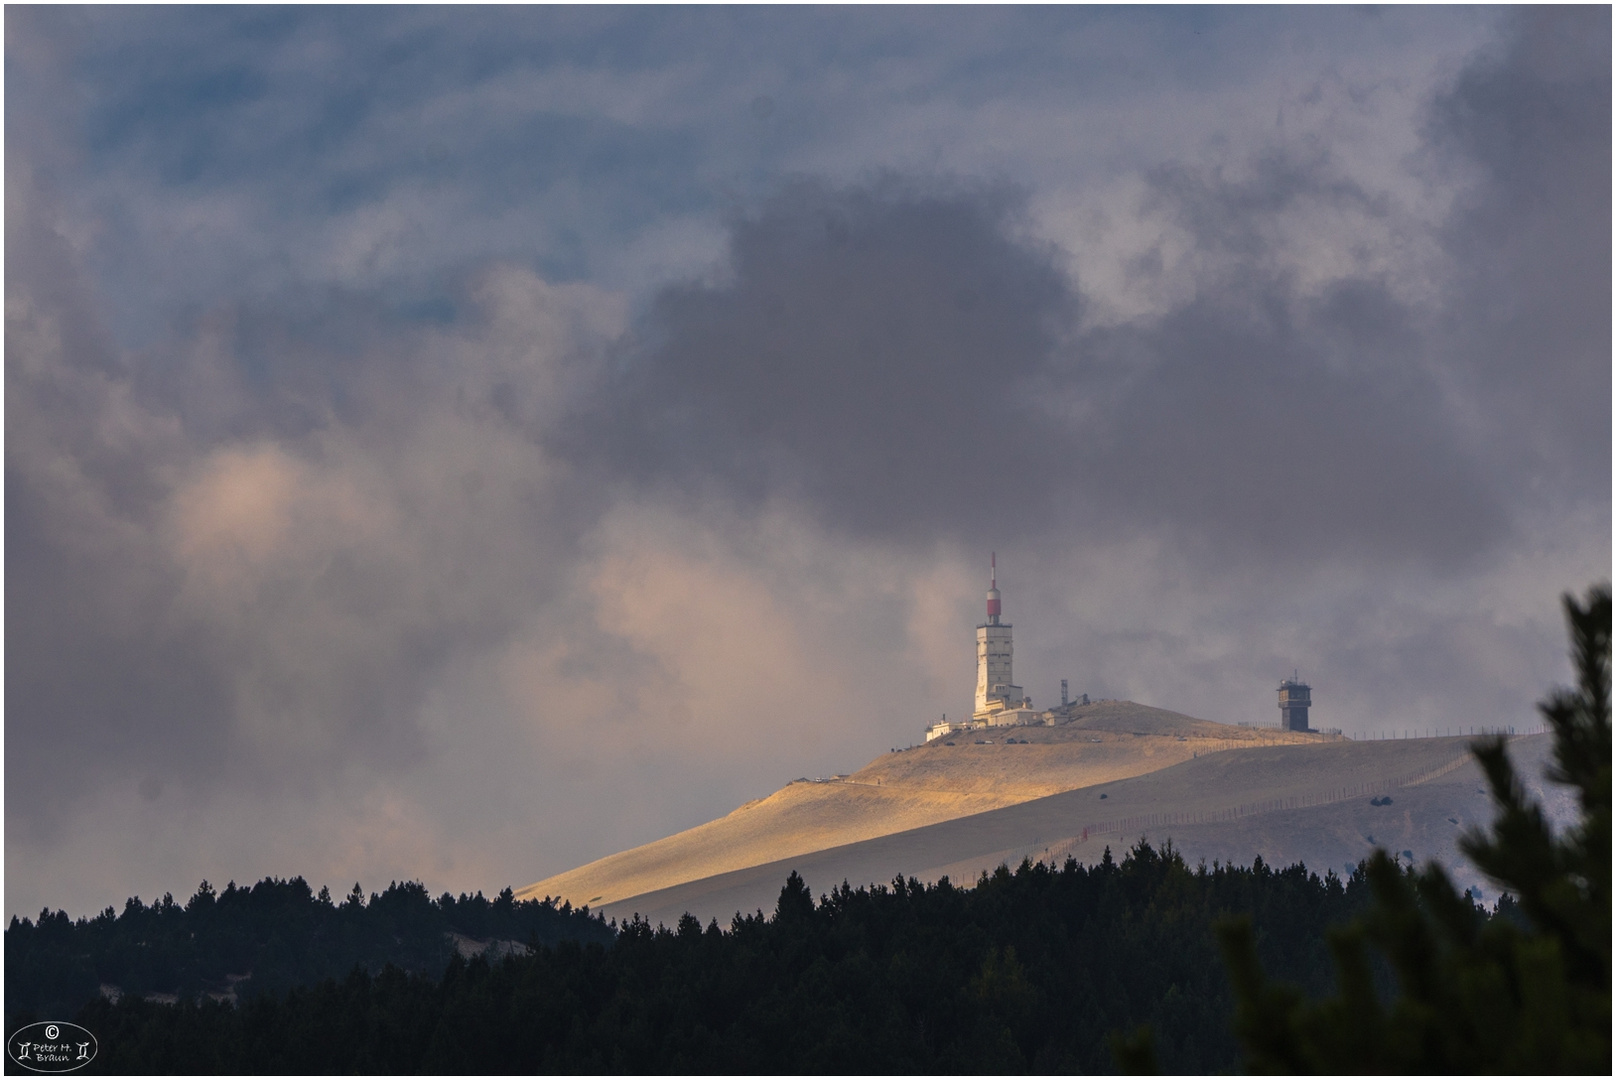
1525, 130
261, 152
910, 364
1263, 423
865, 351
246, 555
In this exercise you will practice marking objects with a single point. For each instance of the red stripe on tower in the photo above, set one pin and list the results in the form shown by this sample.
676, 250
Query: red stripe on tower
993, 589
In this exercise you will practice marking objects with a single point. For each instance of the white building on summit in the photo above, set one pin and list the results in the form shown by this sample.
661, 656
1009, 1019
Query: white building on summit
996, 691
999, 701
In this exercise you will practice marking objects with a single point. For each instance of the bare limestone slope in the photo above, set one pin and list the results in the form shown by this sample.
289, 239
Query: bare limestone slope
909, 789
1326, 805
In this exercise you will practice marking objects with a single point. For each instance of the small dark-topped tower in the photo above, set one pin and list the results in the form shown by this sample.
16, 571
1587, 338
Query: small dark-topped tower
1294, 699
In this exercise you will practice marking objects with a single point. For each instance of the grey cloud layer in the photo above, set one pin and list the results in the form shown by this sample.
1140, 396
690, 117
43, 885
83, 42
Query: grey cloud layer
901, 358
263, 149
1530, 320
247, 556
869, 353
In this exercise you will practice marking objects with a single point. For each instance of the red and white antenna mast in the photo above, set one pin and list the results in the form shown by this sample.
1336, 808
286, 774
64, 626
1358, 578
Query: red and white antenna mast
993, 590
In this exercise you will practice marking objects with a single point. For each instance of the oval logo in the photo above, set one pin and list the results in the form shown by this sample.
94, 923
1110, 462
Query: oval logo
51, 1046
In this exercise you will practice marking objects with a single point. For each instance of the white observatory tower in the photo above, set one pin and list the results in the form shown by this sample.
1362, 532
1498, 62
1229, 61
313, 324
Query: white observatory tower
995, 690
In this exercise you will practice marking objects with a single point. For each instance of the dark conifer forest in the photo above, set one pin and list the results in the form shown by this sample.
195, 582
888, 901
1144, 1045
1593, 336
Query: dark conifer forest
1035, 969
246, 943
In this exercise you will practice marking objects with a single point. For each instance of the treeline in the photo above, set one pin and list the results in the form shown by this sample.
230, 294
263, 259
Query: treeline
260, 941
1031, 970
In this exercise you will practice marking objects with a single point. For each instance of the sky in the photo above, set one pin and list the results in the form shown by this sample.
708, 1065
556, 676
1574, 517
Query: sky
456, 444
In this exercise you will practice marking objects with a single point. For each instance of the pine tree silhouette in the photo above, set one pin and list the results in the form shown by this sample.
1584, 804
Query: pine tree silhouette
1527, 992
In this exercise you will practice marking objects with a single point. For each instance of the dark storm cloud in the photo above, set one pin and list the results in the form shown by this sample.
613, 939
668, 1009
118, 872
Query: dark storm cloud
1277, 416
908, 364
1254, 424
901, 359
867, 355
1526, 132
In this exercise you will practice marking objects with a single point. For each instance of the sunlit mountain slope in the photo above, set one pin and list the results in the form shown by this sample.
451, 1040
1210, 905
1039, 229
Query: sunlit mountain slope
1327, 805
909, 789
